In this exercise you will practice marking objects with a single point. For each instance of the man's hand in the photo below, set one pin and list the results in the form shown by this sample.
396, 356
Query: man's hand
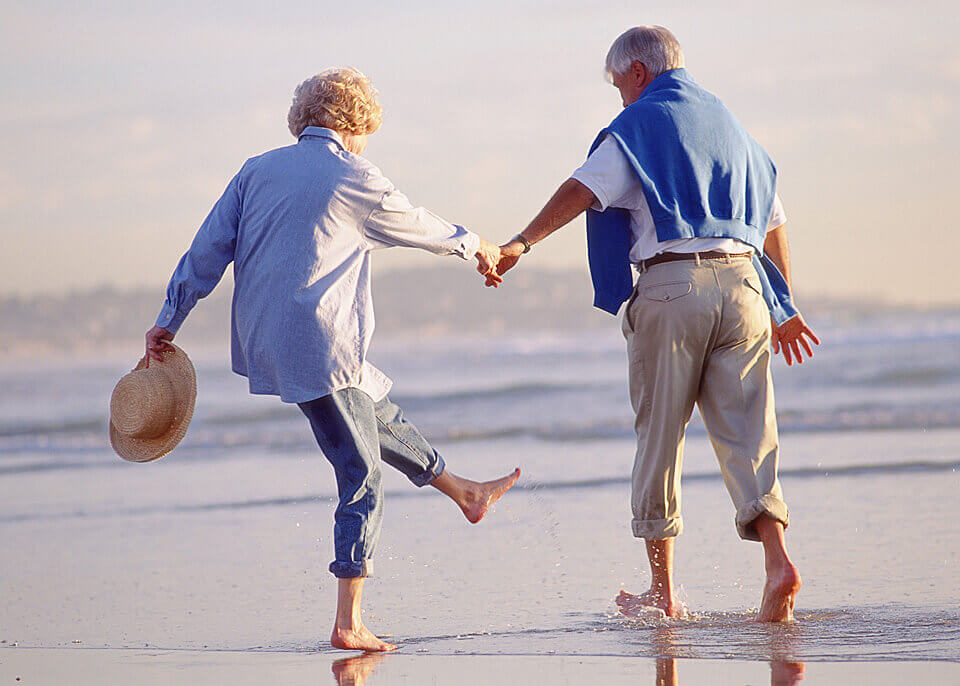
509, 256
790, 336
488, 256
158, 341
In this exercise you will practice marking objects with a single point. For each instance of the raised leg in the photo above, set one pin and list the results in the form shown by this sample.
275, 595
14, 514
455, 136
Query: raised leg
405, 449
349, 632
474, 497
783, 580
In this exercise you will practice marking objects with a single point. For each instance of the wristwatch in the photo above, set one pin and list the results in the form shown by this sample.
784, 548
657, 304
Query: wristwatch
526, 243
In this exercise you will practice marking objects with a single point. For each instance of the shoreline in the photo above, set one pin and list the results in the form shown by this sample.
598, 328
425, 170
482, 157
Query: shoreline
150, 666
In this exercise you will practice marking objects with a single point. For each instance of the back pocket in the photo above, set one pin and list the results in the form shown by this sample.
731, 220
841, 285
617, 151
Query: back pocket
667, 292
753, 283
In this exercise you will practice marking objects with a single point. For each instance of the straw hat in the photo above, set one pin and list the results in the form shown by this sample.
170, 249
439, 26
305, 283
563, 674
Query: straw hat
151, 407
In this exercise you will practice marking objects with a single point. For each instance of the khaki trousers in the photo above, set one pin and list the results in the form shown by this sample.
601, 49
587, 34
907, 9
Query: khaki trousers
699, 332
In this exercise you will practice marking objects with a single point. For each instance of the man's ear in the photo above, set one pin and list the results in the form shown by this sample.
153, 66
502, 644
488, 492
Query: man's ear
639, 71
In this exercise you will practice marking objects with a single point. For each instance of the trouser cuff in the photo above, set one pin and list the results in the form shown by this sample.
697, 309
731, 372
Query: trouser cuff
352, 570
657, 528
433, 471
769, 505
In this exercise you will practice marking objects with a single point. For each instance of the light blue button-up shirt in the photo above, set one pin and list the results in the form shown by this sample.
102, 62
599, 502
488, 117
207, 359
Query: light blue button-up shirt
299, 224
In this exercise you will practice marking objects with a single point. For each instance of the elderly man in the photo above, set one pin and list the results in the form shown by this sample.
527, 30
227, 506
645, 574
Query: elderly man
676, 188
299, 224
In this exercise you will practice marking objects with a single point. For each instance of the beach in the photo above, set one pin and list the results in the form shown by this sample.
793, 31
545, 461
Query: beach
213, 559
286, 146
241, 668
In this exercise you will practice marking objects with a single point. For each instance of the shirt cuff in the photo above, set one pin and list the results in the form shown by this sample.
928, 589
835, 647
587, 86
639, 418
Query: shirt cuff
170, 318
602, 202
469, 244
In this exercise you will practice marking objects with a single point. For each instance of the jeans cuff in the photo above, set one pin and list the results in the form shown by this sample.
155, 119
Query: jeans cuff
433, 471
769, 505
351, 570
657, 528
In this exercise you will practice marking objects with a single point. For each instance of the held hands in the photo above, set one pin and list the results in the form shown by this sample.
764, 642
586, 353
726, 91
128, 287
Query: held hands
790, 336
509, 254
488, 256
158, 341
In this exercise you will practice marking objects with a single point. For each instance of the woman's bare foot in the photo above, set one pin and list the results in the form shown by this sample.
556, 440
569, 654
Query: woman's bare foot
634, 605
780, 594
478, 497
358, 638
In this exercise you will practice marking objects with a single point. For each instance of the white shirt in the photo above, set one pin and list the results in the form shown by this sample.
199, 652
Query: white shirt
609, 176
299, 224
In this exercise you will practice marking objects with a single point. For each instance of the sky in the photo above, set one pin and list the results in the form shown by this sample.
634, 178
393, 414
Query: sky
121, 122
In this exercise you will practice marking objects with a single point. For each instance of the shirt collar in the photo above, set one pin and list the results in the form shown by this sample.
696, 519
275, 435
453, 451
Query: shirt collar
322, 132
667, 78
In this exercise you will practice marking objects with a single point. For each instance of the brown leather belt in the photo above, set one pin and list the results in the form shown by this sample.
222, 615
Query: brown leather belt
677, 256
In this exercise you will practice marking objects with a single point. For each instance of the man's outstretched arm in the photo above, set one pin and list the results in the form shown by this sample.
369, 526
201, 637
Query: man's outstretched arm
567, 203
794, 332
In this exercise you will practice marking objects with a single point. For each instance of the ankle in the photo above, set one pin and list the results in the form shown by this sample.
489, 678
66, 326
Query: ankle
662, 593
349, 624
776, 563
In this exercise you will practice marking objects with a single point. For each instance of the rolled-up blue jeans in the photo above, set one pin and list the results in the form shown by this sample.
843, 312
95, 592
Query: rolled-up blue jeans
355, 433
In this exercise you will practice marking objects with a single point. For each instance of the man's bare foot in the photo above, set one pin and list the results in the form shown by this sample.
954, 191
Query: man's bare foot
353, 671
478, 497
359, 638
634, 605
780, 594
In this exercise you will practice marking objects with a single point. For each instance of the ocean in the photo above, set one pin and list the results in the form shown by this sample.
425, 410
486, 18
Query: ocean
223, 544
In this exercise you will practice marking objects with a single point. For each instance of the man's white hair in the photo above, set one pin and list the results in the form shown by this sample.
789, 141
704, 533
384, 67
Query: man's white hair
654, 46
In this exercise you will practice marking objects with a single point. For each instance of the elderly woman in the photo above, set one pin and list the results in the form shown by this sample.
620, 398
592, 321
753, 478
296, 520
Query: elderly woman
299, 224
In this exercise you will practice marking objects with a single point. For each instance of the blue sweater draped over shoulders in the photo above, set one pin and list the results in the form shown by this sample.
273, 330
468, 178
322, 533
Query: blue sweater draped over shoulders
702, 175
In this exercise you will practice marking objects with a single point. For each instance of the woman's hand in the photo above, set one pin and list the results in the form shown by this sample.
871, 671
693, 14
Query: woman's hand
790, 337
510, 253
488, 256
158, 341
509, 256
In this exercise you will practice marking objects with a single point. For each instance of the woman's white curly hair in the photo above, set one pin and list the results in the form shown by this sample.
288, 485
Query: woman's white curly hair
341, 99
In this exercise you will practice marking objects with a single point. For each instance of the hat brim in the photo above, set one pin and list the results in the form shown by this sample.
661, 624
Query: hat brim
183, 378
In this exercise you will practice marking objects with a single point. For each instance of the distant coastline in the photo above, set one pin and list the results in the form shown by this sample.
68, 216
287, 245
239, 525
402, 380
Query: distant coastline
411, 305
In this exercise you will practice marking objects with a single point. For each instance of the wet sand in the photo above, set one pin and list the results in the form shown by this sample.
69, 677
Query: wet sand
57, 666
175, 570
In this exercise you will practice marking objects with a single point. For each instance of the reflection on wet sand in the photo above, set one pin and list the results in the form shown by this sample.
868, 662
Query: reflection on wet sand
668, 644
781, 673
666, 671
786, 673
353, 671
